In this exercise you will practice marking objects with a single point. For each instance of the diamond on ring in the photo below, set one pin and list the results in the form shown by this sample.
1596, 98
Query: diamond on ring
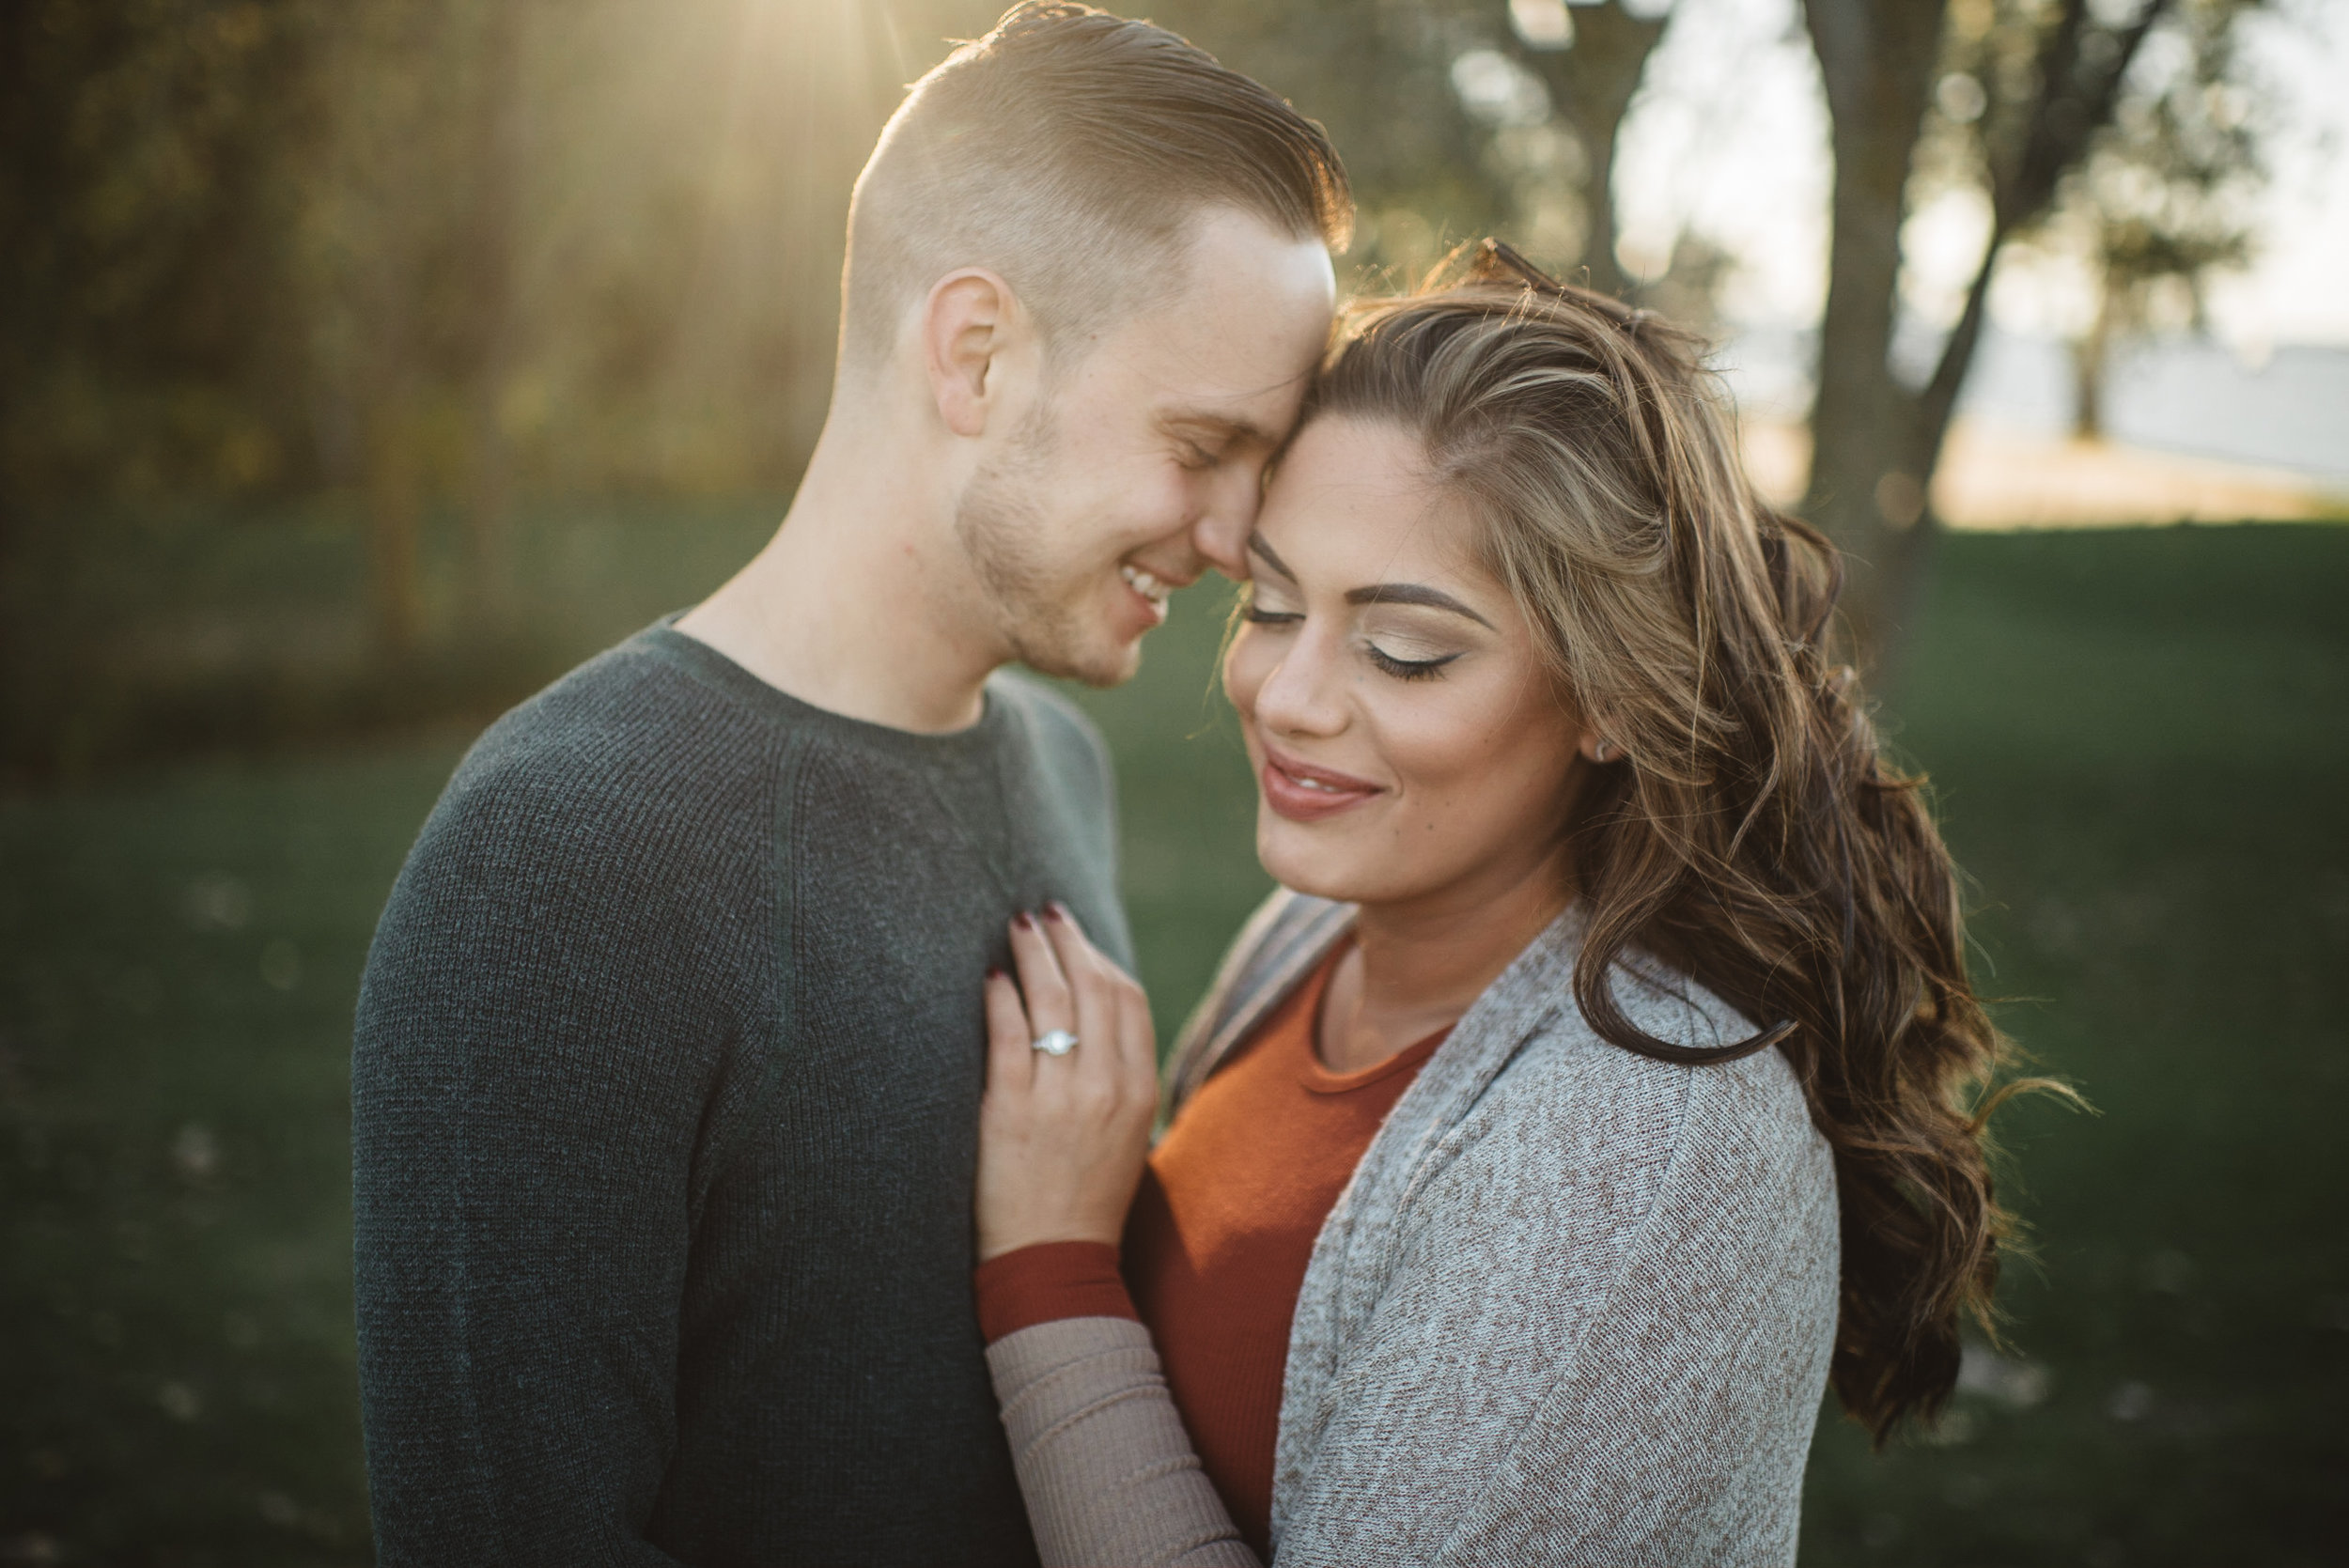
1054, 1042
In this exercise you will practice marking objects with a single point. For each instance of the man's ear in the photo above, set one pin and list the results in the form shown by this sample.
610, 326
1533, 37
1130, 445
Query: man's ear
969, 325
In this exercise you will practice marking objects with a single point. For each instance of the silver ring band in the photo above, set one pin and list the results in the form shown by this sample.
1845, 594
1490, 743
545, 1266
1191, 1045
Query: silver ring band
1054, 1042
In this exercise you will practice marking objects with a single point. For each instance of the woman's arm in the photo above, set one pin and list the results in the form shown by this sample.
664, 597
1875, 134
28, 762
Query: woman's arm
1104, 1463
1108, 1472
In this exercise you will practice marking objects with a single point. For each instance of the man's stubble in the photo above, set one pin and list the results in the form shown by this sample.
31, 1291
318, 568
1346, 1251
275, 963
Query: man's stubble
1001, 524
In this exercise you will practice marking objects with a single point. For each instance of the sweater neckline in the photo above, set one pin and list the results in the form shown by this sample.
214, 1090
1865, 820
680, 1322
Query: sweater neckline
715, 669
1318, 1076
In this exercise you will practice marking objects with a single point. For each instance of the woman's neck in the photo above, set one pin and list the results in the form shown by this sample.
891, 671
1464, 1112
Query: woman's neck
1416, 964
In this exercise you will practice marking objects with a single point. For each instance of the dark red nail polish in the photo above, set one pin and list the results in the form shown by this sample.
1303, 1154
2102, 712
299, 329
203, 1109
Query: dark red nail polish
1023, 919
1056, 911
995, 971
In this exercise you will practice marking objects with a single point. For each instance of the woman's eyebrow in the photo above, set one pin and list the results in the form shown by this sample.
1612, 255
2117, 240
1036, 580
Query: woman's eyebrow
1263, 551
1414, 592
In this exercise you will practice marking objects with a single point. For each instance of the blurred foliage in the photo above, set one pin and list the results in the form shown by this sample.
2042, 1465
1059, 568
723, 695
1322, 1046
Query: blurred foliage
2161, 195
406, 267
259, 240
2011, 99
280, 267
2165, 200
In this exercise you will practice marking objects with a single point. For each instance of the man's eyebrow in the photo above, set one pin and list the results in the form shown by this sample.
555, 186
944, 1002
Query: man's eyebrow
1231, 426
1263, 551
1414, 592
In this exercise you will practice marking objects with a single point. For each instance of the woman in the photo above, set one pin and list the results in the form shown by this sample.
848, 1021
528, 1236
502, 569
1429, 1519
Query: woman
1586, 1101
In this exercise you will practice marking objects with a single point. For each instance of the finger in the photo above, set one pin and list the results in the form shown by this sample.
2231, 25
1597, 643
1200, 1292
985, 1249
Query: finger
1091, 978
1138, 1042
1042, 984
1136, 1036
1010, 1062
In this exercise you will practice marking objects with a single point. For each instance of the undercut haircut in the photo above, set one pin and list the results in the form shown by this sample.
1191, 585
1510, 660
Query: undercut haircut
1068, 150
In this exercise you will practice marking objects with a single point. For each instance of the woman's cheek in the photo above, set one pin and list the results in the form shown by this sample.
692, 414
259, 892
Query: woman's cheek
1243, 675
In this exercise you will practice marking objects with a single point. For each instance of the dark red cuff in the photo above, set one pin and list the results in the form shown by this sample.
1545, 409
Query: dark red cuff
1048, 1281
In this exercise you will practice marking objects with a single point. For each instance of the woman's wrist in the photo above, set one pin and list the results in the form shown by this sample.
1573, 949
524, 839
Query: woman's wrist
1048, 1281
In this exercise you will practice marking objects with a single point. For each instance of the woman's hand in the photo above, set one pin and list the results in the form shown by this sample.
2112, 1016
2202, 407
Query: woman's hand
1061, 1138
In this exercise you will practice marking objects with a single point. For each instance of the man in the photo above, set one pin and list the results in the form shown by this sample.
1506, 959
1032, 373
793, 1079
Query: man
669, 1053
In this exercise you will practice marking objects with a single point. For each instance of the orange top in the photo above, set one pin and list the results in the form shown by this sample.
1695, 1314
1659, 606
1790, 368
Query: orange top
1220, 1236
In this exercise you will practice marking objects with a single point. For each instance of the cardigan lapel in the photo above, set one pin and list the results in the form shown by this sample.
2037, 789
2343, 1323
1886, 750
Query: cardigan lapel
1295, 933
1355, 1252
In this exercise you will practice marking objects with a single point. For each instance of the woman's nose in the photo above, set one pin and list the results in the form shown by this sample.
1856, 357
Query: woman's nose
1301, 695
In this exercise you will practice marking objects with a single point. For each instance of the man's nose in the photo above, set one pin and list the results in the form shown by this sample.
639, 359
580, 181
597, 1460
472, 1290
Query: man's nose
1220, 535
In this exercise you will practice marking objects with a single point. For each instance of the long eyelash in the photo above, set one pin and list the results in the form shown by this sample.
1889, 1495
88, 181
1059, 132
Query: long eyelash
1409, 669
1267, 617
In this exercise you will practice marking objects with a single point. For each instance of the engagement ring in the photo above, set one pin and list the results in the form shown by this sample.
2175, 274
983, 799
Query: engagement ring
1055, 1042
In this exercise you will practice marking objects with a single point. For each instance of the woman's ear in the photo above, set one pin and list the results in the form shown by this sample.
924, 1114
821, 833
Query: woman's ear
1597, 747
969, 324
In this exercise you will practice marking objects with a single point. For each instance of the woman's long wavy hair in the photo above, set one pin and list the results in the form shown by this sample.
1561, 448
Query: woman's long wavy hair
1752, 833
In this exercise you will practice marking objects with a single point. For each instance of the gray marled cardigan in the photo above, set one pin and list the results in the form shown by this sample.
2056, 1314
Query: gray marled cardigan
1575, 1306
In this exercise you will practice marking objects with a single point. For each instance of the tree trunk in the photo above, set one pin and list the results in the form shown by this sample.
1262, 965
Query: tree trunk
2089, 356
1876, 58
1875, 444
1592, 84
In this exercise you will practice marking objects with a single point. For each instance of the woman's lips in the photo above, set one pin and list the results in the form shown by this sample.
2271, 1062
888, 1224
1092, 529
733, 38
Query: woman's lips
1303, 793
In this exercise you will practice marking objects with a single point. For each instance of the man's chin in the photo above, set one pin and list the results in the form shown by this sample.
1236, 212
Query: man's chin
1103, 664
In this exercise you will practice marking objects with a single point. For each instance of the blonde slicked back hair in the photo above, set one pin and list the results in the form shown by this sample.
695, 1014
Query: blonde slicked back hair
1068, 150
1752, 835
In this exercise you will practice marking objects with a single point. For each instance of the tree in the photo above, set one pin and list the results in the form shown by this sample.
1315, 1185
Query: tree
2033, 84
2159, 205
1591, 66
1378, 75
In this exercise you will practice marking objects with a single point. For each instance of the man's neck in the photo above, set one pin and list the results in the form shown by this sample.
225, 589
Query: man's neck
860, 604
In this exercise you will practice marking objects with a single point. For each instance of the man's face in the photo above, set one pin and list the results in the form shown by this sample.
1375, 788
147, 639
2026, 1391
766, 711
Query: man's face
1142, 463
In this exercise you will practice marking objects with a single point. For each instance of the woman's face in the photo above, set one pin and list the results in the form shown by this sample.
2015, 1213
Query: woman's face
1407, 742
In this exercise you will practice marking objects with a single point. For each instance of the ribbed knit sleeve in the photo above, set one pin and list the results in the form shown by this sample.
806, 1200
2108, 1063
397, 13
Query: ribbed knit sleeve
544, 1068
1104, 1463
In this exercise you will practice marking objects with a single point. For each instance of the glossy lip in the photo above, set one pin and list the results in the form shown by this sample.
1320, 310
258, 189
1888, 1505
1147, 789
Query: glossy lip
1283, 781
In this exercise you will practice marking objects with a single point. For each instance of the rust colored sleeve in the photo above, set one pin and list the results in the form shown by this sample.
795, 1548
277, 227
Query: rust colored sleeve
1050, 1281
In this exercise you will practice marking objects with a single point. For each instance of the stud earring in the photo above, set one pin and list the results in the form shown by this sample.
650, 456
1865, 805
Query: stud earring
1606, 750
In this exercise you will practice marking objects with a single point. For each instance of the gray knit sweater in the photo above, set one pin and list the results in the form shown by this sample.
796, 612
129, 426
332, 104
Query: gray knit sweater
1576, 1307
666, 1088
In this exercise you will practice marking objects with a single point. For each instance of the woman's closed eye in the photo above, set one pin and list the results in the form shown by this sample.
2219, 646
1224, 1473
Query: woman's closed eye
1406, 644
1408, 669
1263, 606
1404, 656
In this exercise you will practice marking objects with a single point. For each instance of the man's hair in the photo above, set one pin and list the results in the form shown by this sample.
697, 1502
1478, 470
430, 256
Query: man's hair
1068, 150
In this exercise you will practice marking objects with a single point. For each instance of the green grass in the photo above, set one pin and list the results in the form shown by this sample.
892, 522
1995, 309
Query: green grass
2140, 747
130, 636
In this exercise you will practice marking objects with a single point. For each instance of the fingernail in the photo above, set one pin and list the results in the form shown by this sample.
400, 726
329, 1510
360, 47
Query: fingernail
995, 971
1023, 919
1056, 911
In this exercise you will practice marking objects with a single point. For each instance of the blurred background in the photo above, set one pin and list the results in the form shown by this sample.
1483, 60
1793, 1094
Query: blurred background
367, 362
